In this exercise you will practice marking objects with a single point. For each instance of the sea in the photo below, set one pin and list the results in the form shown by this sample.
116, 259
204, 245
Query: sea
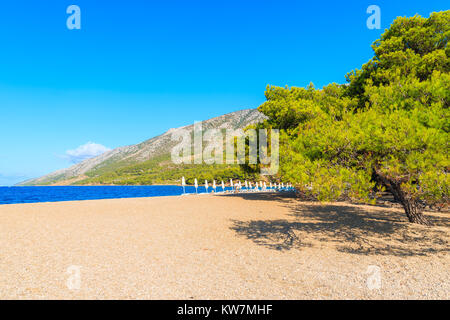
11, 195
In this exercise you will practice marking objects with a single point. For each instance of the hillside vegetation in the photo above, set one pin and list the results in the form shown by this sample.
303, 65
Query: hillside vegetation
161, 170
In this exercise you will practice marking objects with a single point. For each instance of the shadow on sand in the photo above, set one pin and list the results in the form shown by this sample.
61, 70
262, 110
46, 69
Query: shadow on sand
349, 228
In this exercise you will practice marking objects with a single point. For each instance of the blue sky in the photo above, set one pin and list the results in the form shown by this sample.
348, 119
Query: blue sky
138, 68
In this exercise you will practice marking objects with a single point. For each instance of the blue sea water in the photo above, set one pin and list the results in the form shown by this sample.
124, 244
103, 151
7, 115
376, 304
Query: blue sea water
10, 195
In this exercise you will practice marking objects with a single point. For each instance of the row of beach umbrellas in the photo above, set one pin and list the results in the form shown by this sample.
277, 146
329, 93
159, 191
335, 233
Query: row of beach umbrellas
239, 187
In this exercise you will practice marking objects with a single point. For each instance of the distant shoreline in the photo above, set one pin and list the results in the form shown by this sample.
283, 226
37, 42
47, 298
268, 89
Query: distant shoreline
50, 194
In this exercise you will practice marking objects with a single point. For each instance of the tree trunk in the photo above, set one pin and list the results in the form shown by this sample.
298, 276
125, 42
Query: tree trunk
414, 213
412, 208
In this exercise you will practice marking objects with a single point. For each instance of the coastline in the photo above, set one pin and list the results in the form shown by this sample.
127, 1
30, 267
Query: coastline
123, 192
62, 196
236, 246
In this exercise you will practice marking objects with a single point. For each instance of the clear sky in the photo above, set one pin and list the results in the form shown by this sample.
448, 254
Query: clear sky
138, 68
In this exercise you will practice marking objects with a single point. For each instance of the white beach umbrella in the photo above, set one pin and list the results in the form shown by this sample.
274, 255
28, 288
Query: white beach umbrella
282, 185
246, 184
231, 183
196, 185
223, 186
270, 185
183, 183
214, 185
206, 185
256, 185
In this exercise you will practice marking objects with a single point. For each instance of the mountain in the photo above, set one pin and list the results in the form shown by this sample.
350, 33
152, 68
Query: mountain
149, 162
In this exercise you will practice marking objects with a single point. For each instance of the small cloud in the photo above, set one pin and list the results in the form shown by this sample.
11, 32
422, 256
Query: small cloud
86, 151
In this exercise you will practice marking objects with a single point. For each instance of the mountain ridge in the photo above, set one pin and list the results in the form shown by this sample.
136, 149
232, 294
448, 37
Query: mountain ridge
157, 147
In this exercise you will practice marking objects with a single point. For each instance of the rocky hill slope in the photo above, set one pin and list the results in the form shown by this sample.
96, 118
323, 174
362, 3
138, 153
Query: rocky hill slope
153, 152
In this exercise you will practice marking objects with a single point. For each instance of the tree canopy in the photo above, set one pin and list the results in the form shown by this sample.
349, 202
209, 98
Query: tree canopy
386, 129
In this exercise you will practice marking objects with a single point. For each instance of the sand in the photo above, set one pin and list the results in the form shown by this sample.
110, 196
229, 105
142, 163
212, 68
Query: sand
255, 246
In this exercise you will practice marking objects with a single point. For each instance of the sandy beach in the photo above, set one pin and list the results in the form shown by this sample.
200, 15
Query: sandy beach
255, 246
